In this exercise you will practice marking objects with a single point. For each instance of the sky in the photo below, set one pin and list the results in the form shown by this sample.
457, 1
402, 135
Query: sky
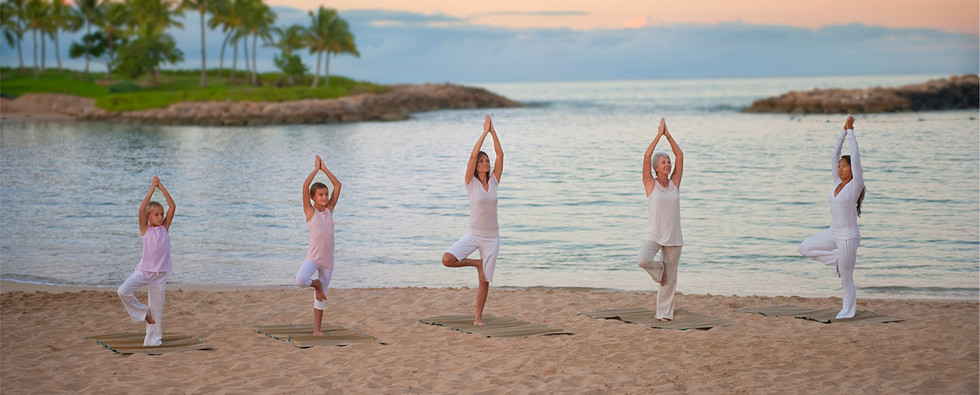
545, 40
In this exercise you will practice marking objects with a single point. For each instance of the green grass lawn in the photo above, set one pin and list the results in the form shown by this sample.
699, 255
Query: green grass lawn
173, 86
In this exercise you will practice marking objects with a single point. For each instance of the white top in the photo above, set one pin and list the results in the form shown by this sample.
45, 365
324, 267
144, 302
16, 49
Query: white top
843, 207
483, 208
664, 224
156, 250
321, 238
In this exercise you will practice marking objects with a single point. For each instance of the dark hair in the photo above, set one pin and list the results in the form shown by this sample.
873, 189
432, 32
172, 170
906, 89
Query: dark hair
475, 171
863, 189
317, 186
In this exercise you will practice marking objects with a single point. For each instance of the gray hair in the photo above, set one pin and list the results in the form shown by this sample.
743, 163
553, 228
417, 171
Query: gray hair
656, 160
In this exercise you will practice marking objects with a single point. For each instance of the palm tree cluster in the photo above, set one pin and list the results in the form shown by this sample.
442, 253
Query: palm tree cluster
130, 37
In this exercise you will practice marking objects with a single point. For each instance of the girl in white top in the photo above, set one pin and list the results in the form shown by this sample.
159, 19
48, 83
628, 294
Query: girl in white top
153, 267
663, 232
320, 254
482, 232
845, 207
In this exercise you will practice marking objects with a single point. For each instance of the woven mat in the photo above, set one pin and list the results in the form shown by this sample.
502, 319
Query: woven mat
828, 316
132, 343
302, 335
776, 311
495, 327
683, 319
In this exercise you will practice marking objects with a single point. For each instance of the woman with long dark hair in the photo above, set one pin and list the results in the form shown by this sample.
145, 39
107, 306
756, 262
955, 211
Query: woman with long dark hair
838, 245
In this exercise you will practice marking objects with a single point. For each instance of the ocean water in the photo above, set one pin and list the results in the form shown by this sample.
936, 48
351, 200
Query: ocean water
572, 209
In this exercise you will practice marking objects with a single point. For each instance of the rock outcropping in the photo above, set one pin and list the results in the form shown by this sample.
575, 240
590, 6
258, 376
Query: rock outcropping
394, 105
943, 94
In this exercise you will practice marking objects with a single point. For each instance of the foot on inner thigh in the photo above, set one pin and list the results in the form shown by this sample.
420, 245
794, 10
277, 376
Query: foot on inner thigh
318, 290
149, 320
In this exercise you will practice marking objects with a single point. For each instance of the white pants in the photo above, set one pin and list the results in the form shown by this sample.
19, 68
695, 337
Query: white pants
842, 254
156, 284
304, 280
488, 246
664, 269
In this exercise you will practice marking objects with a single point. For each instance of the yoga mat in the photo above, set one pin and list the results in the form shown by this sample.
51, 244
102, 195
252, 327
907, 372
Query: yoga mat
776, 311
495, 327
683, 319
132, 343
302, 335
861, 317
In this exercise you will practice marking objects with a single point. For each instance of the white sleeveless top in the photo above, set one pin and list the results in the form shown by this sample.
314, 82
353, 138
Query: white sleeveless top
156, 250
483, 208
664, 224
321, 238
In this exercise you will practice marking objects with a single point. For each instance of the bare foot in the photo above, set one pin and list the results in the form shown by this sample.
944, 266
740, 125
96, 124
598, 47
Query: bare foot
664, 319
478, 322
481, 274
317, 332
318, 290
149, 320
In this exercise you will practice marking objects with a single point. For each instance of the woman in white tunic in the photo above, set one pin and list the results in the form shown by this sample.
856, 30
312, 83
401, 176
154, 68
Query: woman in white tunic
482, 233
663, 231
838, 245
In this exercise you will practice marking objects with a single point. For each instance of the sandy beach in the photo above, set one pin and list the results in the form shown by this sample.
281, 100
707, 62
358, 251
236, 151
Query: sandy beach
44, 350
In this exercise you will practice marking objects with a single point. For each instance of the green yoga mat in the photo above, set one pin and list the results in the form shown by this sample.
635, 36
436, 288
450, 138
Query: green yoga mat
132, 343
495, 327
302, 335
683, 319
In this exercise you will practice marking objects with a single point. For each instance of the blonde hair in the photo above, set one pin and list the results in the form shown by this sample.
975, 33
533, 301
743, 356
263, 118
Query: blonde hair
152, 205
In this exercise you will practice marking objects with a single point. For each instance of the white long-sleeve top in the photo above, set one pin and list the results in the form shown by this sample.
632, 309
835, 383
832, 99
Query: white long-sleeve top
843, 207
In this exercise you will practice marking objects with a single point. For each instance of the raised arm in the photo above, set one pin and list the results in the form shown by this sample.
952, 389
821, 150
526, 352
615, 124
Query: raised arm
648, 177
678, 158
307, 206
172, 207
471, 164
498, 164
835, 156
335, 196
146, 200
857, 172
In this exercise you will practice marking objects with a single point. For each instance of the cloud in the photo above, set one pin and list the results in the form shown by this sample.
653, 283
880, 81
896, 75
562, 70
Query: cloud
638, 22
539, 13
439, 48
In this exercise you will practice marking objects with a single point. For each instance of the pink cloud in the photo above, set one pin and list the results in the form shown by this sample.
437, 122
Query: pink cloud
638, 22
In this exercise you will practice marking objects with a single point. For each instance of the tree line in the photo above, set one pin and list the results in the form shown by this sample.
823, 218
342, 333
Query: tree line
130, 37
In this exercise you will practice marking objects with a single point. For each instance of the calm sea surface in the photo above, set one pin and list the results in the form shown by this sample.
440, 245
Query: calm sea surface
572, 207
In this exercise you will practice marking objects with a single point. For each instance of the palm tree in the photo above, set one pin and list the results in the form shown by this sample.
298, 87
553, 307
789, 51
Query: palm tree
331, 34
91, 11
290, 39
201, 6
222, 14
62, 18
258, 20
14, 14
37, 14
150, 19
114, 18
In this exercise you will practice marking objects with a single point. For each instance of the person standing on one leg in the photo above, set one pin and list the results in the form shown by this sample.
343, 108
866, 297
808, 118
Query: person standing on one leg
663, 231
838, 245
318, 204
482, 233
153, 267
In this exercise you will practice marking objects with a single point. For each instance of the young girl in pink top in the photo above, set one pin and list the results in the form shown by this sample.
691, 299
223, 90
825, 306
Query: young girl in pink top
319, 256
153, 267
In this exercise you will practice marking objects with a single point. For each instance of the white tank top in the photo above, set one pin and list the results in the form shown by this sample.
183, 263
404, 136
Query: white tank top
321, 238
664, 224
156, 250
483, 208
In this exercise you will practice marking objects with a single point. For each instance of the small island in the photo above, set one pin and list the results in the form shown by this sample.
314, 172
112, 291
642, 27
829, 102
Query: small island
954, 93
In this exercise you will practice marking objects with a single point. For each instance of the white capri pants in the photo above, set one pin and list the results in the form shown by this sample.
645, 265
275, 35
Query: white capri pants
488, 246
841, 253
664, 269
304, 278
156, 284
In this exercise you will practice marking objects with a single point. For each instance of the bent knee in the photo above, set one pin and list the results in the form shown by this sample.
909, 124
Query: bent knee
449, 260
303, 282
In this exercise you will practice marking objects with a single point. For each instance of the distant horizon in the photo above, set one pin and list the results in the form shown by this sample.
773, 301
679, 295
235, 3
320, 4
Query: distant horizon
410, 47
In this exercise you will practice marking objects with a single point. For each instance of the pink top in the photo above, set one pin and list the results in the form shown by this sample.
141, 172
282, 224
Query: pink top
156, 250
321, 238
483, 208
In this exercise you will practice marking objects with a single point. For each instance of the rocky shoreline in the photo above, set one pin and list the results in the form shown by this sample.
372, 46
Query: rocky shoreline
954, 93
394, 105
